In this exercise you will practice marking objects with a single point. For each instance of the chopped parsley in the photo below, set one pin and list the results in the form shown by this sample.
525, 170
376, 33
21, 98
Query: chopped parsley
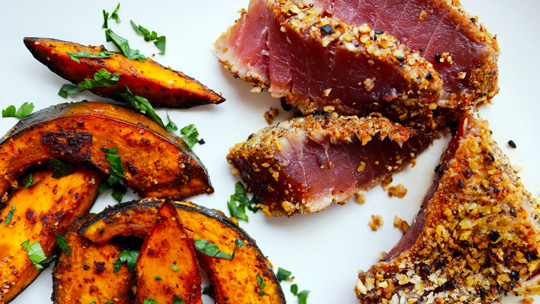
107, 17
171, 125
210, 249
178, 300
262, 285
142, 104
35, 253
175, 267
128, 256
302, 296
61, 169
9, 217
159, 41
25, 110
123, 45
191, 134
85, 54
61, 241
158, 278
150, 301
118, 190
208, 291
239, 202
30, 181
102, 79
116, 168
283, 275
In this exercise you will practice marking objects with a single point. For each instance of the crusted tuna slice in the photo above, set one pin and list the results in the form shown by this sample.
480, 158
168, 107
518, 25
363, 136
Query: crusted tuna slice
476, 237
459, 47
304, 164
319, 64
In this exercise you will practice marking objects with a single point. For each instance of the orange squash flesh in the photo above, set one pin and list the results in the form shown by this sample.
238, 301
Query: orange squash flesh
233, 281
87, 274
166, 245
160, 85
156, 163
45, 208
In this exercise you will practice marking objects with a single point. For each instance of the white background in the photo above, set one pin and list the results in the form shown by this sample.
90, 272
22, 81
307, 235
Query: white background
325, 250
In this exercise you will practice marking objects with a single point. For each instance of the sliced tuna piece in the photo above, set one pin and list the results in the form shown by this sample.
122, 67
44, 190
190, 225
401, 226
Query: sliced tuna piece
476, 237
304, 164
319, 64
461, 50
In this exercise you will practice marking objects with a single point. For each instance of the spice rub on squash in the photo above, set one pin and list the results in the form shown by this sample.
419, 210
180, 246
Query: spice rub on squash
161, 85
475, 238
304, 164
156, 163
319, 64
35, 214
233, 281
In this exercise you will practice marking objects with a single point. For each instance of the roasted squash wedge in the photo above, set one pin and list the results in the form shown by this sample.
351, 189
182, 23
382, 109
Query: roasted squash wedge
87, 274
233, 281
167, 266
160, 85
155, 162
47, 207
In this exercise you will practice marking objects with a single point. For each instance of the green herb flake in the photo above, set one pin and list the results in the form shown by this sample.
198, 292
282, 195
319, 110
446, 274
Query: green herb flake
283, 275
158, 278
210, 249
30, 181
24, 110
107, 17
9, 216
238, 244
159, 41
61, 241
302, 296
150, 301
109, 302
116, 167
141, 104
69, 89
49, 260
85, 54
102, 79
191, 134
294, 289
175, 267
128, 256
171, 125
35, 253
61, 169
208, 291
93, 302
123, 45
239, 201
262, 284
178, 300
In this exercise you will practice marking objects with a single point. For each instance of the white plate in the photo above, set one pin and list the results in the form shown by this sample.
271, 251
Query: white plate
325, 250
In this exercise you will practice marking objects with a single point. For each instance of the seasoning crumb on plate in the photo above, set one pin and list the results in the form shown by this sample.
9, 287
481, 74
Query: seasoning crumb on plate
376, 222
270, 115
401, 224
399, 191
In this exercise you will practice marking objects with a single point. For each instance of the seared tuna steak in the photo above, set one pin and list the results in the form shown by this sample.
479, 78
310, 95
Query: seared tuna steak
476, 237
459, 47
304, 164
320, 64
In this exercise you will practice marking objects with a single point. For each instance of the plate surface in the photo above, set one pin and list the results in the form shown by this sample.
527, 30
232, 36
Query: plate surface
324, 251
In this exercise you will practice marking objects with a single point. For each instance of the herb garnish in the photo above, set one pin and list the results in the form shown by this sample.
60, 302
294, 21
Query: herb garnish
210, 249
191, 133
283, 275
9, 216
85, 54
171, 125
175, 267
116, 168
178, 300
142, 104
123, 45
208, 291
239, 202
61, 241
30, 181
102, 79
61, 169
114, 16
118, 190
25, 110
159, 41
158, 278
262, 285
35, 253
128, 256
302, 296
150, 301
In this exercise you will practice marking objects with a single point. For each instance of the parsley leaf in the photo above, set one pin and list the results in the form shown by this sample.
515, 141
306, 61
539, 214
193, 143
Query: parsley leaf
160, 42
35, 253
61, 169
102, 79
208, 291
239, 202
30, 181
262, 285
294, 289
210, 249
238, 244
171, 125
61, 241
150, 301
175, 267
116, 168
9, 216
158, 278
283, 275
191, 134
302, 296
114, 16
25, 110
85, 54
49, 260
118, 190
141, 104
128, 256
123, 45
178, 300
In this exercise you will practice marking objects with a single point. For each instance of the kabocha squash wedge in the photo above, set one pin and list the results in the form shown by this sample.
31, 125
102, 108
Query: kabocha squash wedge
155, 162
233, 281
168, 254
47, 207
87, 274
160, 85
